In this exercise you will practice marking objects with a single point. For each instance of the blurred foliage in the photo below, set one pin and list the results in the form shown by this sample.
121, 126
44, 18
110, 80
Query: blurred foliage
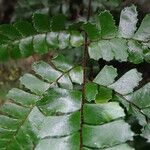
8, 78
71, 8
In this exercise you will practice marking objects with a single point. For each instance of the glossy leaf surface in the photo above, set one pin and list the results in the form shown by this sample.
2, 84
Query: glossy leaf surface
51, 117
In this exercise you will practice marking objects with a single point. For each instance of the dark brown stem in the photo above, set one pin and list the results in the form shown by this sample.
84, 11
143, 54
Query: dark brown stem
84, 65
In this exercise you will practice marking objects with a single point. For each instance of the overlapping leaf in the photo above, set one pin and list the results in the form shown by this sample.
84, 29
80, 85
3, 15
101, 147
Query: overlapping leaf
47, 112
123, 45
136, 102
124, 85
23, 39
36, 38
141, 98
44, 115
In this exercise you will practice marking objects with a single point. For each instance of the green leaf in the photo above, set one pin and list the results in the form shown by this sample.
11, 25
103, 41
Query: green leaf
52, 104
17, 125
67, 143
65, 82
23, 27
15, 51
146, 133
76, 39
109, 49
127, 82
34, 84
106, 76
75, 26
9, 31
146, 112
91, 30
119, 47
94, 51
51, 117
66, 124
39, 44
118, 147
53, 76
101, 49
138, 116
60, 101
46, 71
111, 131
104, 95
106, 50
107, 25
15, 110
26, 46
76, 75
52, 40
141, 97
147, 57
23, 98
91, 90
61, 63
143, 33
64, 40
128, 21
118, 98
97, 114
37, 127
58, 22
135, 52
41, 22
54, 37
